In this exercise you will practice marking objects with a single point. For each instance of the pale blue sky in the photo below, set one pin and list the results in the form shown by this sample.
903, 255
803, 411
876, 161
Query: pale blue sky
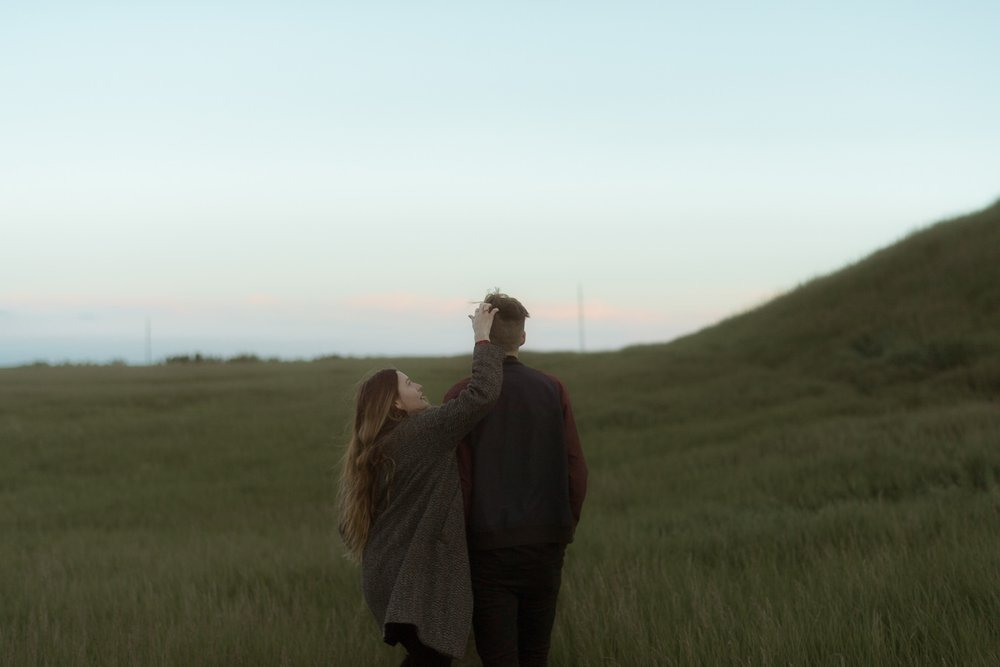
306, 178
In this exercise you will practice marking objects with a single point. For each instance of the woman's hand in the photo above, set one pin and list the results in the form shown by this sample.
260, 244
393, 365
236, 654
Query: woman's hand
482, 321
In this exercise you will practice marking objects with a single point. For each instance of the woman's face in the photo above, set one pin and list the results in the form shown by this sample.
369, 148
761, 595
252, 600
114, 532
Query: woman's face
410, 397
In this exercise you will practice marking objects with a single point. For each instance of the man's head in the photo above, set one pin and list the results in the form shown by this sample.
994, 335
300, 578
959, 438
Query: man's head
508, 325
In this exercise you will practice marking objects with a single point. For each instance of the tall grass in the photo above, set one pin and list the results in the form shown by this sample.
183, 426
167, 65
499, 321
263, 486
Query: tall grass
184, 516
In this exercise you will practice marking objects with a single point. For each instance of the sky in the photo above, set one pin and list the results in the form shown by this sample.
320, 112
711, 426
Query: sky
300, 179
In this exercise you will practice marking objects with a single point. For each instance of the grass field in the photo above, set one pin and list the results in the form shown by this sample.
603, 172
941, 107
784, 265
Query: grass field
813, 483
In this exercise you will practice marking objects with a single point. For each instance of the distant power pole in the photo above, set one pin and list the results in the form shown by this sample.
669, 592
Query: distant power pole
579, 306
149, 343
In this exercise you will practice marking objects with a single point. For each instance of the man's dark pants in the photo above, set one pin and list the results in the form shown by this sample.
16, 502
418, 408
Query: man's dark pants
514, 591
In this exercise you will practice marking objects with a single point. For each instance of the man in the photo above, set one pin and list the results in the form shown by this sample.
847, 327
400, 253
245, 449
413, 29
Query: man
524, 479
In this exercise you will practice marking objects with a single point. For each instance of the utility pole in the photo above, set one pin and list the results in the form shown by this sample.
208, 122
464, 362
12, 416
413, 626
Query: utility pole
149, 343
579, 306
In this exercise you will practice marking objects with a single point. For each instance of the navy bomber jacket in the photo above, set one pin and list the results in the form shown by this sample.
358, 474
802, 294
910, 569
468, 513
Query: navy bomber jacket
522, 469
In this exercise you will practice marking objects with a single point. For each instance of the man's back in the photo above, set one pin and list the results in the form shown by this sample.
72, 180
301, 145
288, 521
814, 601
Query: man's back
518, 463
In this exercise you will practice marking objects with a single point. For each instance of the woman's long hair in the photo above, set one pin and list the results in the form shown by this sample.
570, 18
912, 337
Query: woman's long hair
367, 472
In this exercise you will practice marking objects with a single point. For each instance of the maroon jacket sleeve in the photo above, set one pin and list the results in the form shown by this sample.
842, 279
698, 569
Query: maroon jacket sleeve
574, 458
464, 454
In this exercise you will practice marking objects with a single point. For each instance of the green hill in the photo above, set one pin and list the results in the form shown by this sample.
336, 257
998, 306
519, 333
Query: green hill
814, 482
923, 308
915, 324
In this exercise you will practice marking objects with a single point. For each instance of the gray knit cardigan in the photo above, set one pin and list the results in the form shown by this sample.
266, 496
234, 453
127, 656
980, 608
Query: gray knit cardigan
415, 567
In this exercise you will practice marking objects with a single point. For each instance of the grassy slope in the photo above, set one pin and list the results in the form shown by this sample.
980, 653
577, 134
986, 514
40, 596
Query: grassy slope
928, 304
813, 482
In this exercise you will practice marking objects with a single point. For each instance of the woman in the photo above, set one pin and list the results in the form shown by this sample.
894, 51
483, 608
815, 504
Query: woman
401, 508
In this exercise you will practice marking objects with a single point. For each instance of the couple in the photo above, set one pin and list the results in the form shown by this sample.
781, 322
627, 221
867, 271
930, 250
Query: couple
460, 514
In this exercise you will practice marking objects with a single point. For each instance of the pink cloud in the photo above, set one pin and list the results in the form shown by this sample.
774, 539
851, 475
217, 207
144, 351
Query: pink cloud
43, 302
696, 307
599, 311
264, 300
61, 301
408, 303
703, 306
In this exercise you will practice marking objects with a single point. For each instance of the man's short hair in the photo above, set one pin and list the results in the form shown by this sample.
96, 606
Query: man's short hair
508, 324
